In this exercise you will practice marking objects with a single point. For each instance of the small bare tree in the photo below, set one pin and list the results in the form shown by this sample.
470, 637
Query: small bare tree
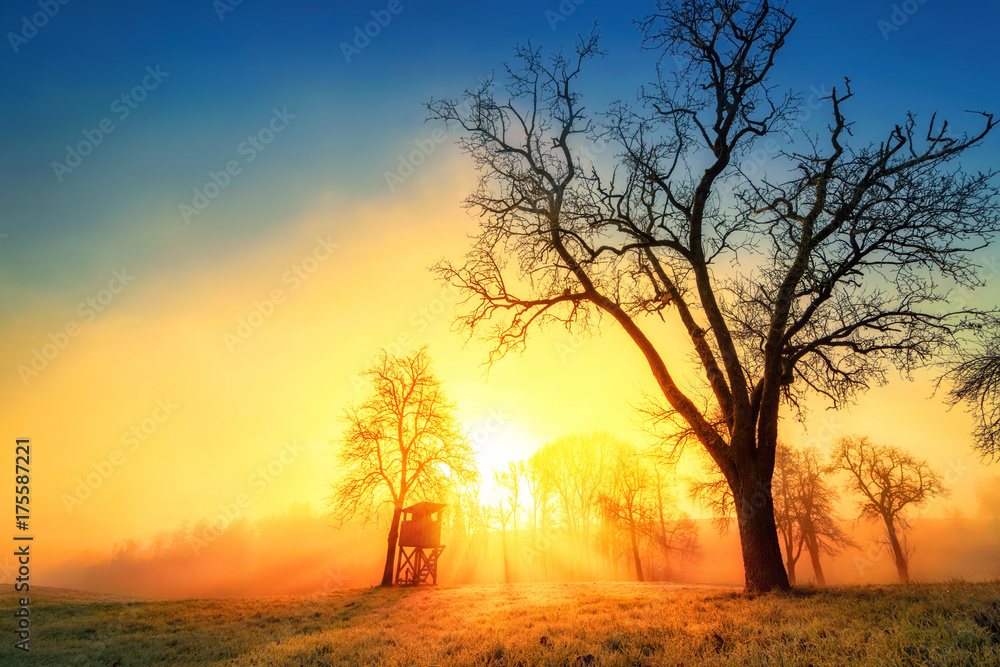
804, 508
785, 492
672, 530
817, 278
403, 441
889, 481
815, 514
625, 502
508, 506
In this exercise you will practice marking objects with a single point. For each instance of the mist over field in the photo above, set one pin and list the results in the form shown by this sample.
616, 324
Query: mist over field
301, 552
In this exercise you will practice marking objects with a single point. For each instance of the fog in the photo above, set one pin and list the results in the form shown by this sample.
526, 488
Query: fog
300, 552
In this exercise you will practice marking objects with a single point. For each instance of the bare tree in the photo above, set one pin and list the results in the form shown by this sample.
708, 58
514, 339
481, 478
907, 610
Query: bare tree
889, 481
673, 531
975, 382
625, 502
804, 509
403, 441
577, 468
537, 485
815, 514
508, 504
785, 493
844, 255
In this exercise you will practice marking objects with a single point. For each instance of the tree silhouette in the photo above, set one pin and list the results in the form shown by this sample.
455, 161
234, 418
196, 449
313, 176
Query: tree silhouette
637, 503
673, 531
804, 509
818, 278
508, 505
402, 441
785, 508
817, 520
537, 485
889, 481
626, 501
578, 469
975, 382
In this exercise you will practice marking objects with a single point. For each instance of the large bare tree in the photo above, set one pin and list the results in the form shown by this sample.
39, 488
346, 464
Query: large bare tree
819, 277
890, 481
401, 443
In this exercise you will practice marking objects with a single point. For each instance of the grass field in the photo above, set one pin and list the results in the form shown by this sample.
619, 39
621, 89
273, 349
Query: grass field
523, 624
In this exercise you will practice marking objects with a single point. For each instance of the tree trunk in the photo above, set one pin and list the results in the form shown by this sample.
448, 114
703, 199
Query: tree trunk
635, 552
762, 563
791, 557
668, 570
503, 548
813, 545
902, 567
391, 549
790, 569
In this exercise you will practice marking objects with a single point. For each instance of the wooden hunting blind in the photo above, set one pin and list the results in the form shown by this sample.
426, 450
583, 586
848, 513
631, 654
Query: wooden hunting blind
420, 533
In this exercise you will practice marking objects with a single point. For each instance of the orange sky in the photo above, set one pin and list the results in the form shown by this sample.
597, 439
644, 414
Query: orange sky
254, 422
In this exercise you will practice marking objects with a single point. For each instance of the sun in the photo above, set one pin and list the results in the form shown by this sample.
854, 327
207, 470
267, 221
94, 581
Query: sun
496, 447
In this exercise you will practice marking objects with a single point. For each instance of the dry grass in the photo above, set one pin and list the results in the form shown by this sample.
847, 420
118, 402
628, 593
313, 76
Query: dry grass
540, 624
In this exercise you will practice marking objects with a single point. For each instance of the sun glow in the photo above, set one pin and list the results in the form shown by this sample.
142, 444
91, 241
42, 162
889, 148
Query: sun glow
497, 448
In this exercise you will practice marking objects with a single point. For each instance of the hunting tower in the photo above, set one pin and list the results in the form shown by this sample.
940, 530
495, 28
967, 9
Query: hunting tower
420, 533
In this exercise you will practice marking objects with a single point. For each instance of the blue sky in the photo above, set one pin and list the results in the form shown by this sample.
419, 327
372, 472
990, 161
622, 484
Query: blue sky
352, 119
